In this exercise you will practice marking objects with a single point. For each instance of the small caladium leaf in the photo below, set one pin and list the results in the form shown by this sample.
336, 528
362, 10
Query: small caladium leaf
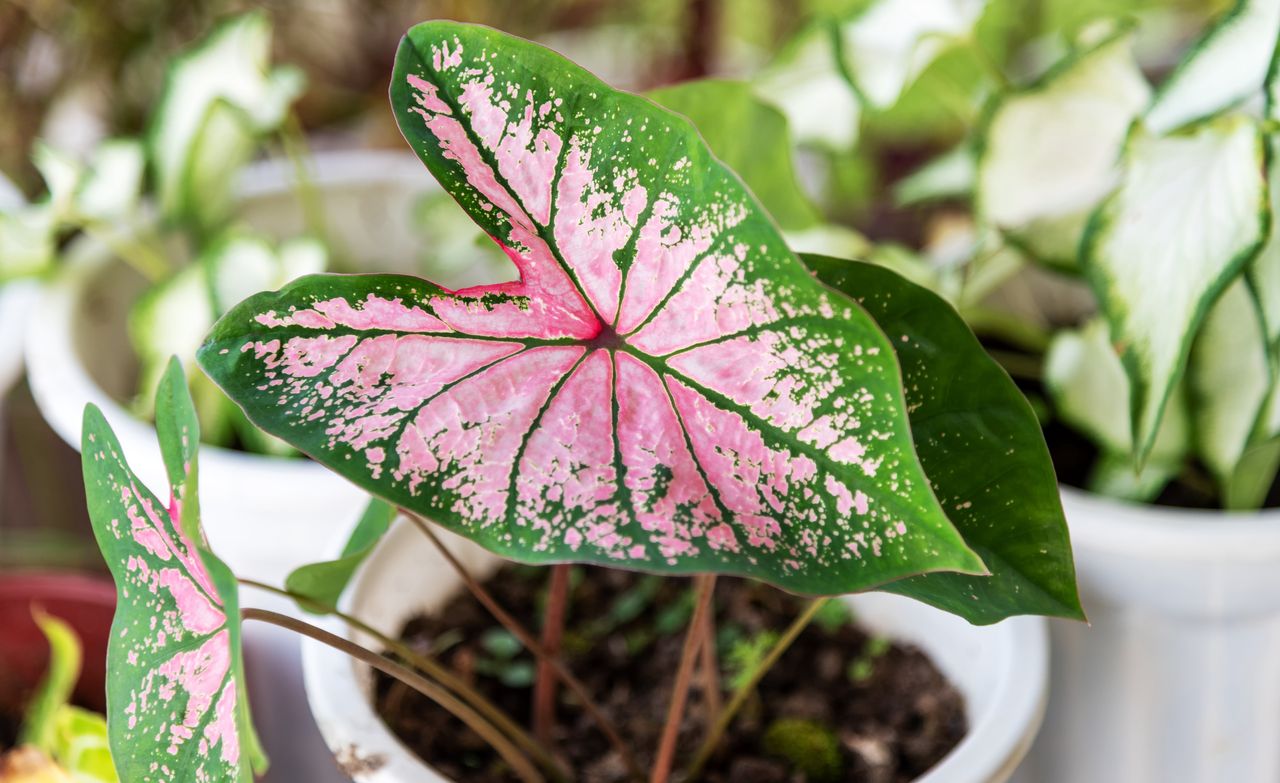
1228, 379
1227, 66
721, 109
1051, 150
665, 388
1191, 212
890, 42
1090, 391
982, 448
215, 94
323, 583
805, 81
176, 703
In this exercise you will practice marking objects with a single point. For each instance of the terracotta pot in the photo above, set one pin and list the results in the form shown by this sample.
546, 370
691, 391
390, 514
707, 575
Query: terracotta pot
87, 603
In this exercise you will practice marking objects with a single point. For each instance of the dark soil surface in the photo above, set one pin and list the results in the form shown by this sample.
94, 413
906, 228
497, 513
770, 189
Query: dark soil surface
846, 705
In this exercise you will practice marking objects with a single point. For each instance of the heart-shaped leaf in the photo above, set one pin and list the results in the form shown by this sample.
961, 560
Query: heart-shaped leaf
1050, 150
1190, 213
1228, 65
982, 447
218, 97
665, 388
176, 703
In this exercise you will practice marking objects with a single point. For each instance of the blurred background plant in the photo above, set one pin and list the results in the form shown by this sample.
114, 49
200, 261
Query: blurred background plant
883, 101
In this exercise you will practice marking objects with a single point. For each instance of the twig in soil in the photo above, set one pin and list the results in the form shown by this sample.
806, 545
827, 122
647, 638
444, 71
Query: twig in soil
438, 672
694, 640
531, 644
748, 687
544, 685
520, 765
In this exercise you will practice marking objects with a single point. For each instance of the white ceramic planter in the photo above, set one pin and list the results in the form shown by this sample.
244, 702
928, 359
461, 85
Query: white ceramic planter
1177, 679
1001, 669
263, 515
78, 352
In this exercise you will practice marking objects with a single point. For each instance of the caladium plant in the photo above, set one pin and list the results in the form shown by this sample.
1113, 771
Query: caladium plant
667, 387
176, 700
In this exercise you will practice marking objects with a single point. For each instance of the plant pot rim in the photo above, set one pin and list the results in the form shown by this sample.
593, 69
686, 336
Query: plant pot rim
62, 384
1012, 687
17, 298
1163, 533
65, 584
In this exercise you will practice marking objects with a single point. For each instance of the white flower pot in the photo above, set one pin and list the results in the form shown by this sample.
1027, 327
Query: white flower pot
16, 302
1177, 679
263, 515
1001, 670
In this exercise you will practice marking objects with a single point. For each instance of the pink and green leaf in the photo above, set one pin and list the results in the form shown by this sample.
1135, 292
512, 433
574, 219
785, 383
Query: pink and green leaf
665, 388
176, 702
983, 449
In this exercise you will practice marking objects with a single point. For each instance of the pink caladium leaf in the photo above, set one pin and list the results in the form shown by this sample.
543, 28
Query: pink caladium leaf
176, 703
665, 388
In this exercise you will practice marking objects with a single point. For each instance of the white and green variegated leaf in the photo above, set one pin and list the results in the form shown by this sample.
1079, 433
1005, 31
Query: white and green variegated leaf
665, 388
829, 239
1263, 273
722, 110
1227, 66
889, 43
1051, 150
952, 174
176, 703
1189, 214
806, 83
1114, 476
26, 241
1090, 392
111, 186
1228, 378
214, 95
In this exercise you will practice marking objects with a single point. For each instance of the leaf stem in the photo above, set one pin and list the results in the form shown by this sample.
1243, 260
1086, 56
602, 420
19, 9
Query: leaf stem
517, 630
294, 141
519, 764
544, 686
709, 670
694, 639
748, 687
144, 259
436, 671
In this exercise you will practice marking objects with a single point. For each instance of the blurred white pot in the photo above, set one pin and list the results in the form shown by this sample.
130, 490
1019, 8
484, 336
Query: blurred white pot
16, 301
1001, 670
264, 516
1178, 677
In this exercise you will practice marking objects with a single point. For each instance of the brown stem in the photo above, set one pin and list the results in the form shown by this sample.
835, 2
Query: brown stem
438, 672
699, 39
496, 739
517, 630
748, 687
709, 670
694, 639
544, 686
